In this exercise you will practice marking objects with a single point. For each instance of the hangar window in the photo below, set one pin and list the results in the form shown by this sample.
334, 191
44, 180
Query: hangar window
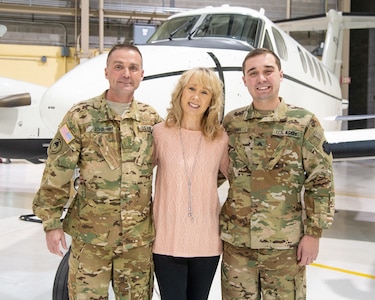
280, 44
303, 59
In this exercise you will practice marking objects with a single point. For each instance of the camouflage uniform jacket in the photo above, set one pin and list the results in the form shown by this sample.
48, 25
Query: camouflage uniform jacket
280, 165
114, 155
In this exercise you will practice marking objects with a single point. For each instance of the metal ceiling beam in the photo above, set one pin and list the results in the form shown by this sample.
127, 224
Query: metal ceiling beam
37, 10
70, 12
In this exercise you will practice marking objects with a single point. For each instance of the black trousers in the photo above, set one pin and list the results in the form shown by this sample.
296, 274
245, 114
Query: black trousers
181, 278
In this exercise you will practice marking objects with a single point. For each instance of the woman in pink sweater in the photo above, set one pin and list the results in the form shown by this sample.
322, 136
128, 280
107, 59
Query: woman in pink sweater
190, 148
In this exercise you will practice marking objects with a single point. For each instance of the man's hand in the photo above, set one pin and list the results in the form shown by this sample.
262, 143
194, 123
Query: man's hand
53, 238
307, 250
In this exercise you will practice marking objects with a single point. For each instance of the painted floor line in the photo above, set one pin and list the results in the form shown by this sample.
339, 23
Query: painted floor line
343, 270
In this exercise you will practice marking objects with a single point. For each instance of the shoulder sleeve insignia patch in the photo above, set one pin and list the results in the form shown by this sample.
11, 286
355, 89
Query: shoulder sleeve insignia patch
55, 145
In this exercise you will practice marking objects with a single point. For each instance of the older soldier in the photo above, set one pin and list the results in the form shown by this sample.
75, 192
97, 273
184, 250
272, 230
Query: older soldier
281, 192
109, 138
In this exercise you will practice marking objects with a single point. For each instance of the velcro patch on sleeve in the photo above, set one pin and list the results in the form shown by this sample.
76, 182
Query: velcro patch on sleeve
66, 134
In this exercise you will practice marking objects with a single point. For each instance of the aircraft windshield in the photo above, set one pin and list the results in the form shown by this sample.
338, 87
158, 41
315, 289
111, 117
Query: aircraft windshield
240, 27
174, 28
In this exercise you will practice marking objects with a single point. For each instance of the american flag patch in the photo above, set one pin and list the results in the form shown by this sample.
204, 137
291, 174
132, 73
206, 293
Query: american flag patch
66, 134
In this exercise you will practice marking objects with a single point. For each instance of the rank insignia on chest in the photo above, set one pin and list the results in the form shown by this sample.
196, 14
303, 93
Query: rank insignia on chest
145, 128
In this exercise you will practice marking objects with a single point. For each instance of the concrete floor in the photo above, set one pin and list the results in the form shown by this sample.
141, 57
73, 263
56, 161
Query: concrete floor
345, 268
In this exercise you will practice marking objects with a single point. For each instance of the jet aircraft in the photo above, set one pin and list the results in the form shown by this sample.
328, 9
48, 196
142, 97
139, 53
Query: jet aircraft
220, 38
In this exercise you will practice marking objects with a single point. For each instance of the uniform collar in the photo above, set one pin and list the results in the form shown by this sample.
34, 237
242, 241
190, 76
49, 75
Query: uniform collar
278, 114
108, 114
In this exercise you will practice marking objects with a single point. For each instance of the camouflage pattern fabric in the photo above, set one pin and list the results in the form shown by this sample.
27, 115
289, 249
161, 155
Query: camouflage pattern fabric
276, 271
93, 267
114, 155
281, 178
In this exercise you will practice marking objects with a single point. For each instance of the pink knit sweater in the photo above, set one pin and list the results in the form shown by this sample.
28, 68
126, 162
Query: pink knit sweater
177, 234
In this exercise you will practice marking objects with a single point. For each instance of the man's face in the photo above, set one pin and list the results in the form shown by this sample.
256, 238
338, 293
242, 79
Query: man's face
124, 71
262, 78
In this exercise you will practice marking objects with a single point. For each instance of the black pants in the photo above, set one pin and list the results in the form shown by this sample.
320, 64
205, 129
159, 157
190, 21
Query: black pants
181, 278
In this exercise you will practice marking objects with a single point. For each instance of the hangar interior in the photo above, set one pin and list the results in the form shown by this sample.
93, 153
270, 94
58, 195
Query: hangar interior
49, 38
52, 37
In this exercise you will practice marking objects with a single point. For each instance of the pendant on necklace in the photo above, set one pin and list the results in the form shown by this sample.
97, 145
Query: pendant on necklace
189, 177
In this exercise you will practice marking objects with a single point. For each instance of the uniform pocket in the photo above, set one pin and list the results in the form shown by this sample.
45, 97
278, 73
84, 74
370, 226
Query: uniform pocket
300, 284
109, 151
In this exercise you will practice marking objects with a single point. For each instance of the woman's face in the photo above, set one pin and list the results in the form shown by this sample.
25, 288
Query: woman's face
195, 98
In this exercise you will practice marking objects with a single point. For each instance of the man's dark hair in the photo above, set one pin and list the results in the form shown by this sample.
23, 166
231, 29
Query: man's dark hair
125, 47
261, 51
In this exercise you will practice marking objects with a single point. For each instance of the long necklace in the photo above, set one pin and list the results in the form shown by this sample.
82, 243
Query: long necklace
189, 177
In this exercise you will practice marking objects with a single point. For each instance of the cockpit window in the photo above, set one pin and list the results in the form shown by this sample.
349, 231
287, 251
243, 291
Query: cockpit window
267, 41
228, 25
174, 28
232, 26
280, 44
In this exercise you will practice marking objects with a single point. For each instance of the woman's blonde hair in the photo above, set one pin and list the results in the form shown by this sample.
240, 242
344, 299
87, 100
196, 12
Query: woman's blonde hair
211, 121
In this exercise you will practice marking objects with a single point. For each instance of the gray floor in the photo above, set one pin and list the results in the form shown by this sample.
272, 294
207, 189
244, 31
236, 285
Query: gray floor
345, 268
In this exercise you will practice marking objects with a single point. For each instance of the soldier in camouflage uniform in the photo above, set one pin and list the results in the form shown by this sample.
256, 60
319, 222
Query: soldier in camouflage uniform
109, 138
281, 192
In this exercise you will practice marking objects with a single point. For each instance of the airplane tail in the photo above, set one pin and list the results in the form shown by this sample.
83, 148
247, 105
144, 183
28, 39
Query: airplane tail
334, 23
332, 52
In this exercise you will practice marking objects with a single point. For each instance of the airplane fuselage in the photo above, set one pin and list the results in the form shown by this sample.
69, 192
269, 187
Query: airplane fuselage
217, 38
206, 38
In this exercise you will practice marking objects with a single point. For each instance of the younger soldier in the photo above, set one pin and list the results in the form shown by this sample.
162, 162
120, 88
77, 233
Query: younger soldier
109, 138
281, 192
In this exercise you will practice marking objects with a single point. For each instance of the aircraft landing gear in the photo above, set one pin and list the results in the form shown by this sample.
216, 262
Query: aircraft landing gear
60, 285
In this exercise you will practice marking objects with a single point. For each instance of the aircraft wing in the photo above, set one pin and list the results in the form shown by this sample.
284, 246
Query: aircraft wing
320, 22
352, 144
311, 23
